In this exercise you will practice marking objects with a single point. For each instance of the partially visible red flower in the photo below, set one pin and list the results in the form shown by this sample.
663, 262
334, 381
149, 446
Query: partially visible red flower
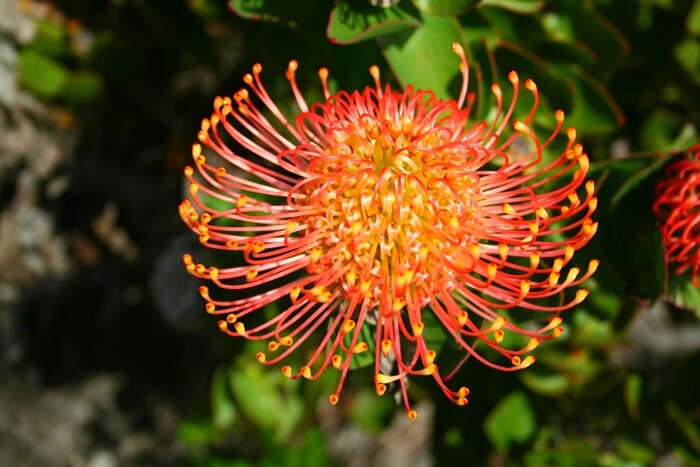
678, 208
377, 210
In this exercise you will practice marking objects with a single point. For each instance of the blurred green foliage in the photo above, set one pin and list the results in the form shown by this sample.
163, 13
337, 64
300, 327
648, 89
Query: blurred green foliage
628, 76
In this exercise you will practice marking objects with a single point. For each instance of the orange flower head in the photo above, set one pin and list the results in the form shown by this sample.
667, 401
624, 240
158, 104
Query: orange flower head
677, 206
383, 211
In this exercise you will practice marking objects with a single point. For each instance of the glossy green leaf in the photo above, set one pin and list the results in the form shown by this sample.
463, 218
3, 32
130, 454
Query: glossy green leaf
424, 58
41, 75
512, 421
516, 6
353, 22
445, 7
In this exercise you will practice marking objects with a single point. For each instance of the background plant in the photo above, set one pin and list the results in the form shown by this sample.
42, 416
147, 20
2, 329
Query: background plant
618, 388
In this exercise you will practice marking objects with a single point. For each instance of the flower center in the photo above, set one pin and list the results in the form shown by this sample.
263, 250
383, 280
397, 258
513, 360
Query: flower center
395, 191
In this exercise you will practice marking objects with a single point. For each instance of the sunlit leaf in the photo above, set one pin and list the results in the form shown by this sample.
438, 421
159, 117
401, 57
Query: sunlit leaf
353, 22
41, 75
424, 58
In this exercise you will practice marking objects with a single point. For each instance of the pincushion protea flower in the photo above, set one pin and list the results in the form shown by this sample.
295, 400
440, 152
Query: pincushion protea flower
678, 208
374, 209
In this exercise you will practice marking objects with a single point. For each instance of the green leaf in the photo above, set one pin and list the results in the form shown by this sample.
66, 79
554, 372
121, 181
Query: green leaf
511, 421
424, 58
567, 453
633, 394
81, 87
600, 36
371, 412
693, 20
516, 6
50, 39
682, 293
546, 385
594, 110
659, 129
445, 7
636, 453
366, 358
41, 75
637, 179
625, 228
223, 409
587, 104
350, 22
306, 16
592, 331
196, 432
259, 392
434, 331
687, 53
689, 429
